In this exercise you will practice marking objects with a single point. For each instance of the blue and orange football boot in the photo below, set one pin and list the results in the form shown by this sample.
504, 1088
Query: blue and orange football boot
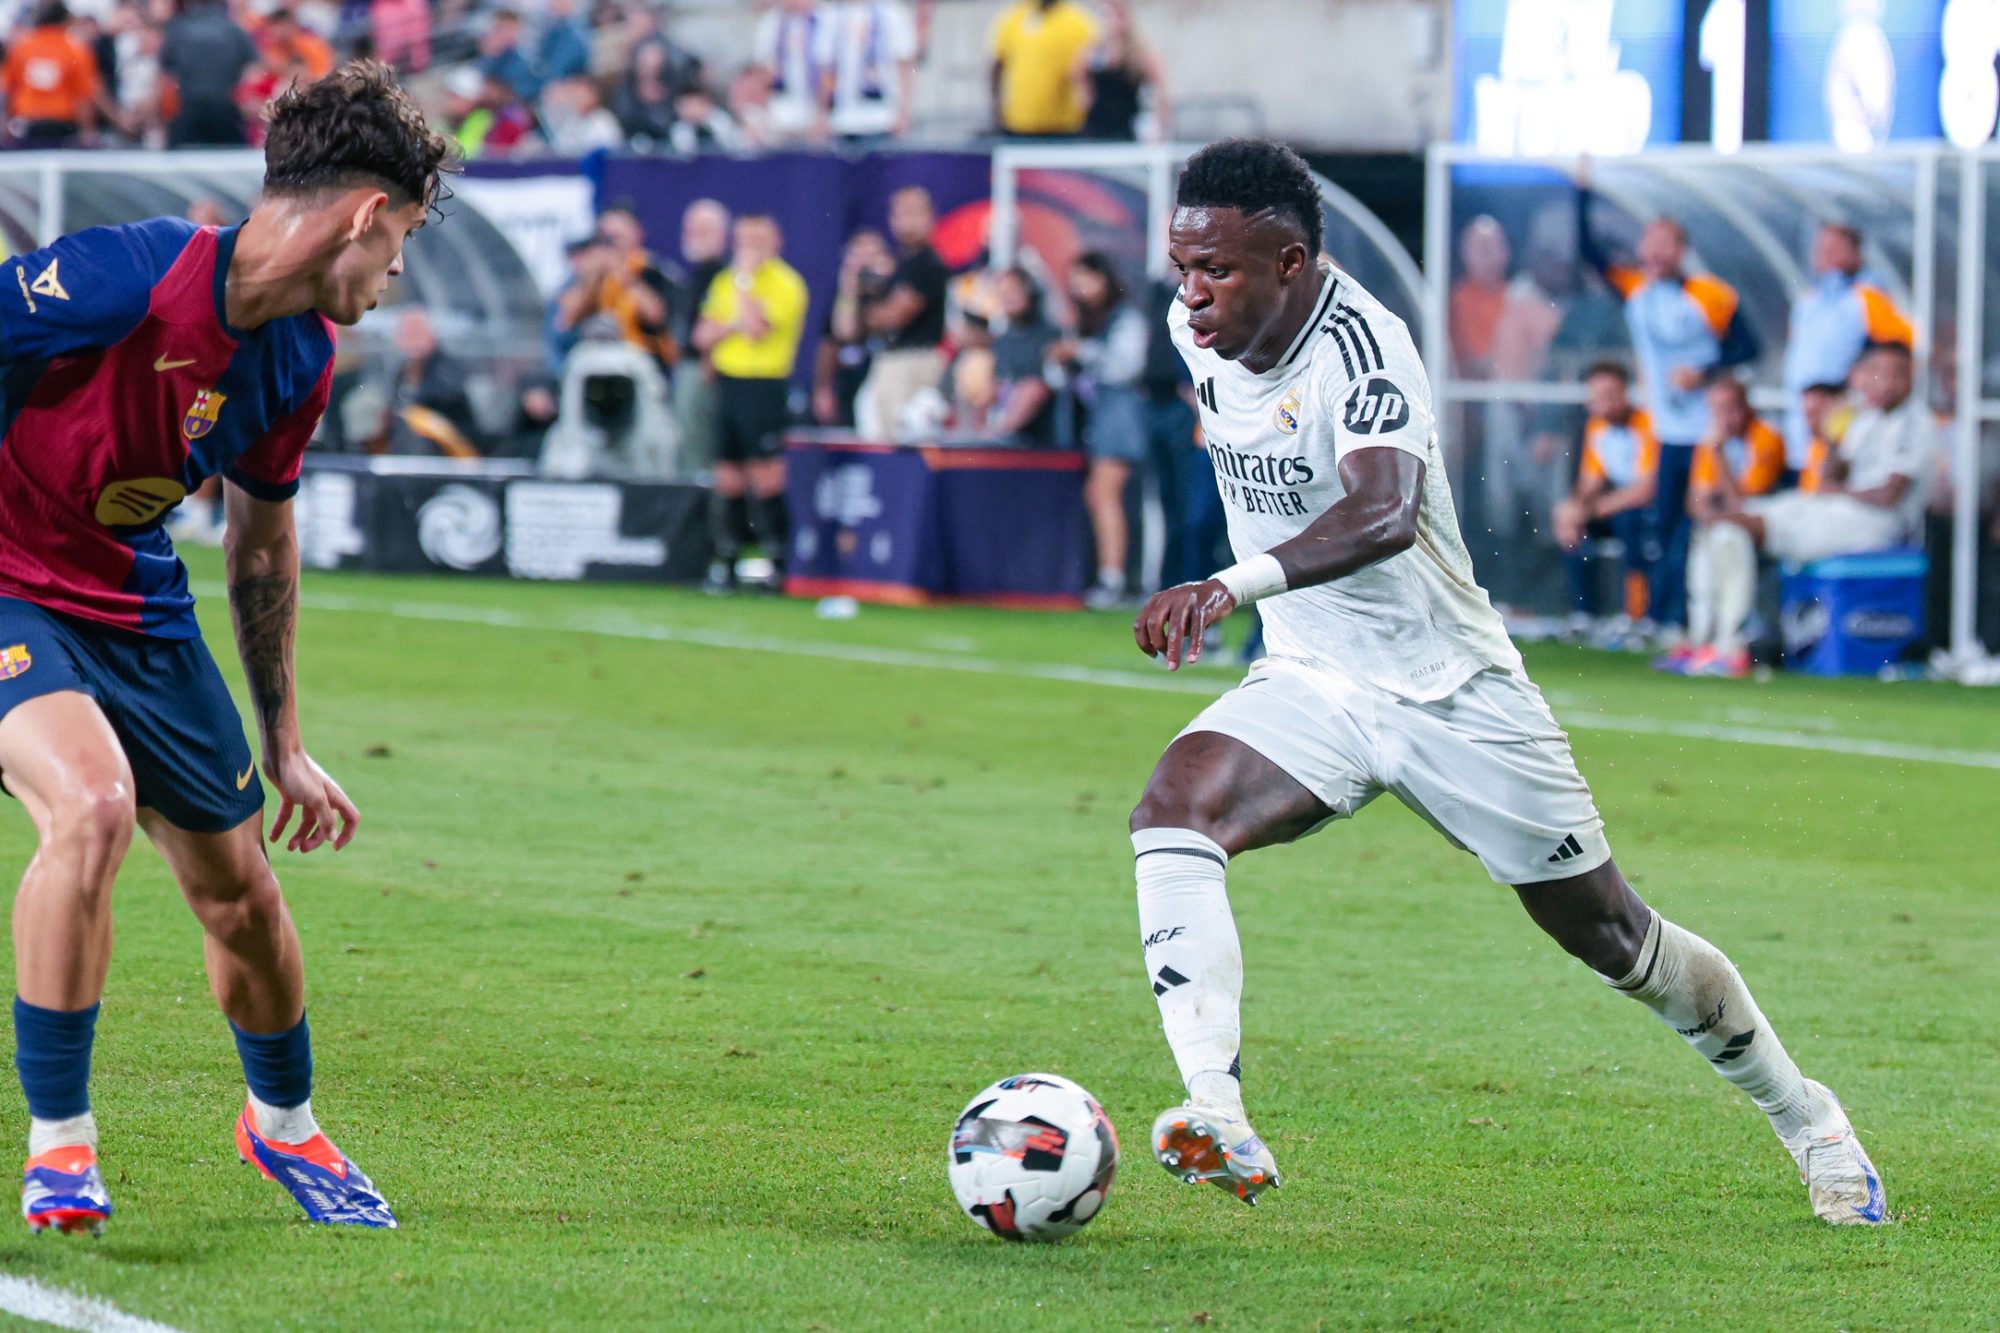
330, 1188
61, 1190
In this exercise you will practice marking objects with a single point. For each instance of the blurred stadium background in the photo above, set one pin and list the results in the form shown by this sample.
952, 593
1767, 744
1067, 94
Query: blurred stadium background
533, 401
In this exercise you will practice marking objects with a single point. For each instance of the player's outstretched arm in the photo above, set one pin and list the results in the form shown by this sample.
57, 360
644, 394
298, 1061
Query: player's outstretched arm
262, 550
1375, 519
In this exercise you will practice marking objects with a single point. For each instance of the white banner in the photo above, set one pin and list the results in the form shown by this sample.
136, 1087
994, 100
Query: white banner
539, 216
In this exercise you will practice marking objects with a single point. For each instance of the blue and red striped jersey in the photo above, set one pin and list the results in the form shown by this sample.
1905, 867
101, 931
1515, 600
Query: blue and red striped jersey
123, 388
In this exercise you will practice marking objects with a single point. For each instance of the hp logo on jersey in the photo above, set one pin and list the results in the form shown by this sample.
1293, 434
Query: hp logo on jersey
1377, 408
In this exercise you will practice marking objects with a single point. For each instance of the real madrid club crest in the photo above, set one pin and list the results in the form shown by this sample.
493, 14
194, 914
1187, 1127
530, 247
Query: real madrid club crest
202, 413
1286, 418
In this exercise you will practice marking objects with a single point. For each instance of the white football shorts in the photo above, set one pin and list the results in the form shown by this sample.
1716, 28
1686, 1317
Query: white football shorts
1486, 765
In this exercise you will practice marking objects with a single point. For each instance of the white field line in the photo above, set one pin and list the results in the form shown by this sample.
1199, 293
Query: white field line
29, 1299
1784, 738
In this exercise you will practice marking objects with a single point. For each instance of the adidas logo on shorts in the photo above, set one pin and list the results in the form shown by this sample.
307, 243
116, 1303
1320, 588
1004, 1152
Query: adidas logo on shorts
1569, 850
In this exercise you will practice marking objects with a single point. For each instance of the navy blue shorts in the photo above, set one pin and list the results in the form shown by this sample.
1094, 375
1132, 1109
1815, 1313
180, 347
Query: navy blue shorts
165, 699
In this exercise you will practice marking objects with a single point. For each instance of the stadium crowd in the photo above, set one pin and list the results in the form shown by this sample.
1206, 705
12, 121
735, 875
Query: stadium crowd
1670, 474
713, 333
560, 78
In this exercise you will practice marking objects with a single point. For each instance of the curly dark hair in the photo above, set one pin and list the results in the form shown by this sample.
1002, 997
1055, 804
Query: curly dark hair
352, 128
1255, 176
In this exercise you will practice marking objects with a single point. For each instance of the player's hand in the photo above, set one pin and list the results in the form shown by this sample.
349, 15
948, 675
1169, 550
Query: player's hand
325, 813
1688, 378
1175, 619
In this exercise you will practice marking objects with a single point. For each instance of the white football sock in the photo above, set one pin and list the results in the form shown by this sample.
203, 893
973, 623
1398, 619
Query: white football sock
1732, 562
1701, 586
284, 1124
66, 1133
1193, 960
1698, 993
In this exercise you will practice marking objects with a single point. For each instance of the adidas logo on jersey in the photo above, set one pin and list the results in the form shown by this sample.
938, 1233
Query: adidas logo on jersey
1205, 394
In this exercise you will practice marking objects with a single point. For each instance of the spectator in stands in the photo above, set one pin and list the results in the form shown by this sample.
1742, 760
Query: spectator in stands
1832, 321
908, 320
1684, 330
1479, 296
206, 55
750, 104
1023, 400
575, 119
1871, 498
750, 327
400, 33
287, 44
432, 413
51, 84
287, 54
142, 96
486, 116
1742, 456
868, 64
501, 56
704, 254
644, 100
1036, 46
789, 46
1114, 75
702, 126
1823, 407
1104, 361
1612, 502
563, 51
846, 350
623, 48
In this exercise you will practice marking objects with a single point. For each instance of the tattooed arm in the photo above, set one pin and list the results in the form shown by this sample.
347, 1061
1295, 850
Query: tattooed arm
261, 547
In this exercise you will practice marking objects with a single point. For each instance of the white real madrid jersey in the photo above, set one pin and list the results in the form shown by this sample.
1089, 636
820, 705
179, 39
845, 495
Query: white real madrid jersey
1416, 624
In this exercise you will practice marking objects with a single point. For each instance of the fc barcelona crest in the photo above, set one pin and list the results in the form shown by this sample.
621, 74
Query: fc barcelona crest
15, 660
202, 414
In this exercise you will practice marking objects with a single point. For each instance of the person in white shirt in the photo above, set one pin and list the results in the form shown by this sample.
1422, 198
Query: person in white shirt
1871, 497
1388, 670
868, 61
788, 45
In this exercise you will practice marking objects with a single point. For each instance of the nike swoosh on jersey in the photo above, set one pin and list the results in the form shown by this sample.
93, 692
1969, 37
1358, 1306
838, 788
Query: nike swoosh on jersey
163, 365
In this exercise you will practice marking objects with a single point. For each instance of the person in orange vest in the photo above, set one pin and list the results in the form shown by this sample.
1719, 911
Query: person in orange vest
1742, 456
1615, 487
1824, 410
51, 84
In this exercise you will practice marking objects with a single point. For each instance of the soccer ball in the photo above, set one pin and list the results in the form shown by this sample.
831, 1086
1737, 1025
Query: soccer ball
1032, 1157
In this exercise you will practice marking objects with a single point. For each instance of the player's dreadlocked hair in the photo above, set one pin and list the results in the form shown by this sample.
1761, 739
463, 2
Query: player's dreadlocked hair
1254, 176
354, 127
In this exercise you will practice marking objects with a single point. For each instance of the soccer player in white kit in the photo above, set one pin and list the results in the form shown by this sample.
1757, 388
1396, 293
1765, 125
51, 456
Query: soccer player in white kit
1387, 670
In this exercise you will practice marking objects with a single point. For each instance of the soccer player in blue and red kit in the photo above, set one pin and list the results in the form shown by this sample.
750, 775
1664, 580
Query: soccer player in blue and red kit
135, 363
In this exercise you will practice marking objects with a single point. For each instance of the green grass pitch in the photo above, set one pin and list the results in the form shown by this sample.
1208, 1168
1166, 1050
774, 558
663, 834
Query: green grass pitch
677, 932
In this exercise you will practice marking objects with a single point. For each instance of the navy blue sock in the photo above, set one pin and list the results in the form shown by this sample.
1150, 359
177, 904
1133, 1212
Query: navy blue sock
278, 1066
52, 1053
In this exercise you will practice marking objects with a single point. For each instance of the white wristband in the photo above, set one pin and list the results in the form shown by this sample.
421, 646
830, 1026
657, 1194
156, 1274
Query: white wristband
1252, 580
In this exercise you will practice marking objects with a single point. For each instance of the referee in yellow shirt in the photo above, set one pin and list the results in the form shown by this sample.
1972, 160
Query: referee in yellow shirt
749, 329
